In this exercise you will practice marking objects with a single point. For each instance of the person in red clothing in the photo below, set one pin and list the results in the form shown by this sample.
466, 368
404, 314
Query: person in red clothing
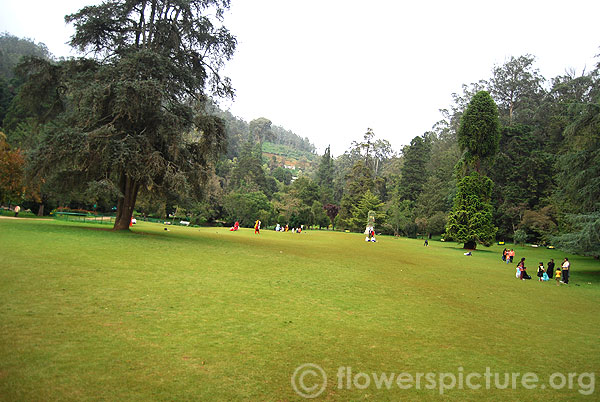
257, 227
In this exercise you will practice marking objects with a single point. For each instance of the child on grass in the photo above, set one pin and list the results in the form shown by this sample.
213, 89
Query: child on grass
541, 271
557, 276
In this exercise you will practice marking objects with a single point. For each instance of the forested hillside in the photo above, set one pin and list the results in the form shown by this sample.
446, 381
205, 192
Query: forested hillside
544, 168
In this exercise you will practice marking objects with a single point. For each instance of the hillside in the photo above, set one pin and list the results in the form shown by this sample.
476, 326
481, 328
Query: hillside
289, 157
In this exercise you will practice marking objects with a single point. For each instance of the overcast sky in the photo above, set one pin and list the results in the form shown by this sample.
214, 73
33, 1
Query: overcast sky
330, 69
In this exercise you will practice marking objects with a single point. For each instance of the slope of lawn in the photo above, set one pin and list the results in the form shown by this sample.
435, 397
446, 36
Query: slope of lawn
190, 314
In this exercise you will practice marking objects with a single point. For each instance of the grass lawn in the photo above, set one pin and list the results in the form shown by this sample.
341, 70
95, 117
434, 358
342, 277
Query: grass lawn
88, 314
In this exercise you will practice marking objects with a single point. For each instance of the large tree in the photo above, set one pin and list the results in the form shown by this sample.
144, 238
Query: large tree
517, 88
358, 181
414, 174
128, 120
470, 221
479, 131
324, 176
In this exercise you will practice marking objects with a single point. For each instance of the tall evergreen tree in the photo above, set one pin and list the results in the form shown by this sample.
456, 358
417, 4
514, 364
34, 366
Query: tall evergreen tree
358, 181
368, 202
129, 111
470, 221
414, 173
479, 131
325, 176
325, 172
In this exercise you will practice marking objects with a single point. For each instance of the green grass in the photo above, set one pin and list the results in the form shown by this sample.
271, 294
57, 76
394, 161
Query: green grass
209, 314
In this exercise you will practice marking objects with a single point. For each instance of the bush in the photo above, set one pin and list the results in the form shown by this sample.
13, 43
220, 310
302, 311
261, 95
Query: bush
520, 236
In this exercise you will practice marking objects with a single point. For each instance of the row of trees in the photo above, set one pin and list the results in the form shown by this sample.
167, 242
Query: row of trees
515, 155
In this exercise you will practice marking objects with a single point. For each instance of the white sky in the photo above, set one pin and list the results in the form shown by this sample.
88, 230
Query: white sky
329, 69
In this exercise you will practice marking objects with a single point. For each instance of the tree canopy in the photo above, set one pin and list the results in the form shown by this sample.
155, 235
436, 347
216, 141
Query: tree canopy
128, 119
479, 131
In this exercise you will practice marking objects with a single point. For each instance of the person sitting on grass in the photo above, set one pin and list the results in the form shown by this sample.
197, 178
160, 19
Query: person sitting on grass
541, 271
523, 269
545, 277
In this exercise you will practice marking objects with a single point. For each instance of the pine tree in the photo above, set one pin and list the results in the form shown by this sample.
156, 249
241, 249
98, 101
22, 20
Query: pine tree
479, 131
470, 221
414, 174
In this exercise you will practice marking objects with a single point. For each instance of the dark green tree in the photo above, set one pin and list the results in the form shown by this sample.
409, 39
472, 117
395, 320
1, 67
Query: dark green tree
306, 190
325, 175
249, 173
583, 236
319, 217
579, 182
479, 131
523, 177
358, 181
470, 221
325, 171
247, 207
414, 174
283, 175
368, 202
128, 120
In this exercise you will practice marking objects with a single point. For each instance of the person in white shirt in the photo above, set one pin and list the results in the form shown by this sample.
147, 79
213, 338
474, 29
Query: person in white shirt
565, 270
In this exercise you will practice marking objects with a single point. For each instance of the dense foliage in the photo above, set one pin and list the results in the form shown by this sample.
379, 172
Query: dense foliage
539, 148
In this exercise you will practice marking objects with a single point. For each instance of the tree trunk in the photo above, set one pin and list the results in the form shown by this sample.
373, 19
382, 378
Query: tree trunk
126, 203
470, 245
41, 210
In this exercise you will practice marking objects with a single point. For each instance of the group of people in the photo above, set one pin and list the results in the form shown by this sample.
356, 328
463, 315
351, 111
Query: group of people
279, 228
560, 273
508, 255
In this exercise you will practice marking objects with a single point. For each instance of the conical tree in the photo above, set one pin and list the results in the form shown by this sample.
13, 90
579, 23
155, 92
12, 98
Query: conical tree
470, 221
479, 131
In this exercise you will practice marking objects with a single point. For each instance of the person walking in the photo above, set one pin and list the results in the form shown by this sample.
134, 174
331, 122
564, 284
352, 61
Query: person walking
257, 227
17, 210
565, 270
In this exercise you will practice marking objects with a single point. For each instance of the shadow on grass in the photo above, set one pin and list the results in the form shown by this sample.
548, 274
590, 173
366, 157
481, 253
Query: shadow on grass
586, 276
458, 247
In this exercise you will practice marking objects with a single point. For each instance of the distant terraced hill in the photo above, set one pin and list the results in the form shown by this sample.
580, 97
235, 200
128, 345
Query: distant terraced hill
289, 157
